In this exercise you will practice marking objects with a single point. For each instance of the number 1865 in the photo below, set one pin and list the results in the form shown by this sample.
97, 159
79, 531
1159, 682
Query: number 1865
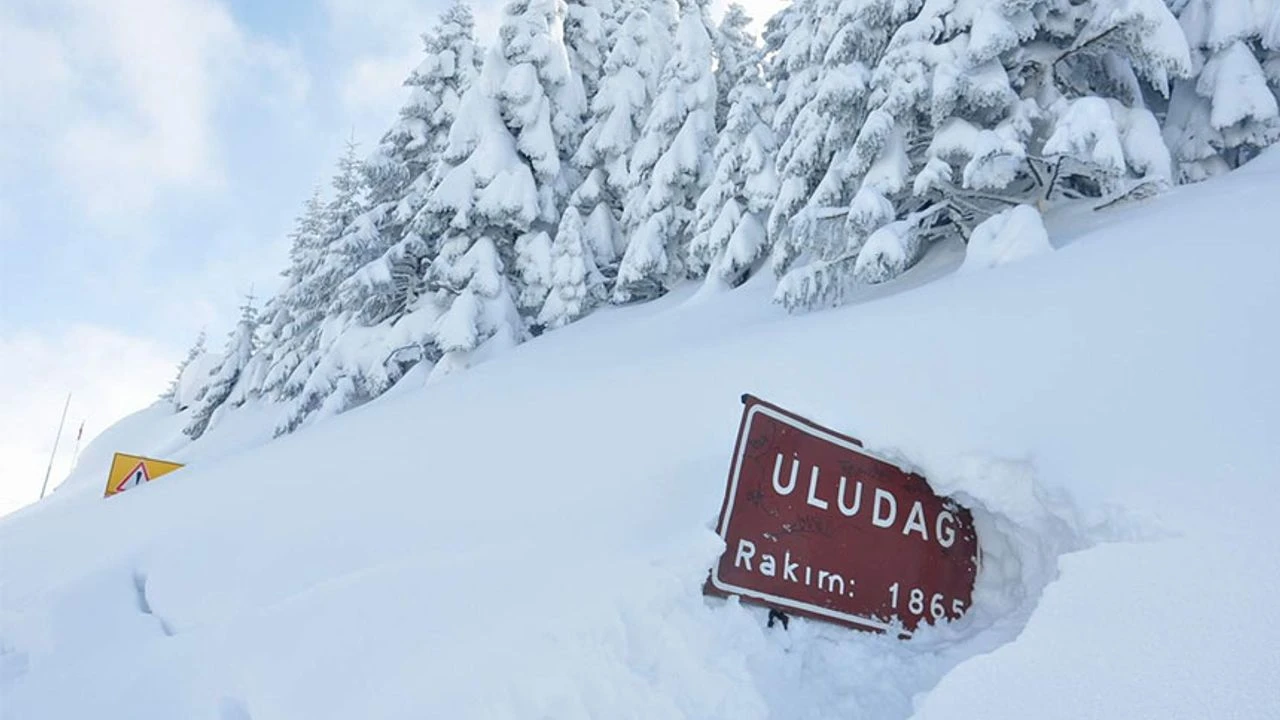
916, 603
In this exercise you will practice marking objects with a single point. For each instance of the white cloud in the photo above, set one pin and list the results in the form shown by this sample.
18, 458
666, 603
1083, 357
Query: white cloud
120, 95
109, 374
378, 44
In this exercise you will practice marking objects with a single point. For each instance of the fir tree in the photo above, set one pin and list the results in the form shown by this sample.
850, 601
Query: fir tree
671, 164
173, 393
736, 56
499, 190
979, 107
618, 113
1230, 108
589, 29
576, 283
793, 70
241, 345
282, 351
731, 234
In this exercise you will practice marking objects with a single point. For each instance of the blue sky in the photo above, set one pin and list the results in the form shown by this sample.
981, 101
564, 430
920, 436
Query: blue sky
152, 156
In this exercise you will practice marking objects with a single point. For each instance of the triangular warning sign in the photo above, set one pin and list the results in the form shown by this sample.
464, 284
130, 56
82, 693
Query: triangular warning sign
136, 477
130, 471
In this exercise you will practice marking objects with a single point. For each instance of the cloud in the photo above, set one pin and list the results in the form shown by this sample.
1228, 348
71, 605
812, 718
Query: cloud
118, 97
377, 44
108, 374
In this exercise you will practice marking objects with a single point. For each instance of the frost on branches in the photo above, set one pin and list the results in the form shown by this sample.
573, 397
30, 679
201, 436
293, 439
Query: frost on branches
671, 164
982, 105
1230, 109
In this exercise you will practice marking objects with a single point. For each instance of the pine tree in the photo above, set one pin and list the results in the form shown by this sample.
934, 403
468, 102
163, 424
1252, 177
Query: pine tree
671, 164
836, 48
981, 107
387, 286
222, 381
498, 196
618, 113
1229, 108
576, 283
173, 393
795, 51
589, 29
282, 352
736, 56
359, 346
730, 235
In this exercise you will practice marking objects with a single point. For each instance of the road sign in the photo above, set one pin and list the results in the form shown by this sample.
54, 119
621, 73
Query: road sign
815, 525
128, 471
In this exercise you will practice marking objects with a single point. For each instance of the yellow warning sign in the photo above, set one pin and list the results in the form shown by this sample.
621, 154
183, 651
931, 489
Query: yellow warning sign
132, 470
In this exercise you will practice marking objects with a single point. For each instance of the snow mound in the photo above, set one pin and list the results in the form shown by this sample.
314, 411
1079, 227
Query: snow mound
1010, 236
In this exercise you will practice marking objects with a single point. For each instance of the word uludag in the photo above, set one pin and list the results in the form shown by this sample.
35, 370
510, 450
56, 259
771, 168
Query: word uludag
885, 512
815, 525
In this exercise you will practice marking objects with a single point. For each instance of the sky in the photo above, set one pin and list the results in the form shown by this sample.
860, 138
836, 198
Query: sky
153, 155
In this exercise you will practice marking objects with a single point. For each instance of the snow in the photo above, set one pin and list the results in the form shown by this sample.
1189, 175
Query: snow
1007, 237
529, 538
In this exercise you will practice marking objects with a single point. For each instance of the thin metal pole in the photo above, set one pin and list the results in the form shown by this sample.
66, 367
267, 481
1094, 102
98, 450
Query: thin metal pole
53, 454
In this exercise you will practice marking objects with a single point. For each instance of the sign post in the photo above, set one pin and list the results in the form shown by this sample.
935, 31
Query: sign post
815, 525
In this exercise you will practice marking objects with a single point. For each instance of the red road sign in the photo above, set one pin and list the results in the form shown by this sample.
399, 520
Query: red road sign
815, 525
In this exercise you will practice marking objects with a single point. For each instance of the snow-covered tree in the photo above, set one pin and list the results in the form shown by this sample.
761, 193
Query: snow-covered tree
281, 351
576, 283
835, 48
332, 247
618, 112
403, 170
174, 393
737, 55
1230, 108
671, 164
222, 380
980, 106
794, 67
589, 29
499, 191
730, 234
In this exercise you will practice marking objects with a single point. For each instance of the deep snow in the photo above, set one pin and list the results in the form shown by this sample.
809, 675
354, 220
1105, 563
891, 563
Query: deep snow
528, 538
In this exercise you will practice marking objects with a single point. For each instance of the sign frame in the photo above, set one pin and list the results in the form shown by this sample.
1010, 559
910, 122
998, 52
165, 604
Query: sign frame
717, 586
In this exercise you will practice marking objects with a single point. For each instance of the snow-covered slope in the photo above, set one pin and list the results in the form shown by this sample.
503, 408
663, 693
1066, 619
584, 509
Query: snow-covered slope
528, 539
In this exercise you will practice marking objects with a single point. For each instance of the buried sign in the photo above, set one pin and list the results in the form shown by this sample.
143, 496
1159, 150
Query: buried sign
815, 525
130, 471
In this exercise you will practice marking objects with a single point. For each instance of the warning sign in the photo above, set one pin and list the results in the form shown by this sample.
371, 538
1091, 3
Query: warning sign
128, 471
815, 525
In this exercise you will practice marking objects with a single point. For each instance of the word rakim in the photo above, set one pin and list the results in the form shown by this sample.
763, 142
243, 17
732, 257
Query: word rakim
795, 570
848, 497
831, 582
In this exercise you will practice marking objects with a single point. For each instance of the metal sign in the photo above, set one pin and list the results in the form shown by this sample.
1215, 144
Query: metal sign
129, 471
815, 525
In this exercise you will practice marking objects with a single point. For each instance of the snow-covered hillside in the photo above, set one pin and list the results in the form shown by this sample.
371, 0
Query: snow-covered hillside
529, 538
